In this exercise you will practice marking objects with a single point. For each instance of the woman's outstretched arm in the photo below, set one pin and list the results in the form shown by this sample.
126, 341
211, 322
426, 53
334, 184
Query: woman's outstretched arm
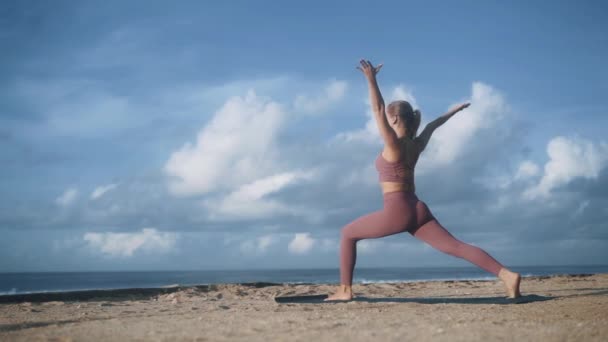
425, 136
377, 103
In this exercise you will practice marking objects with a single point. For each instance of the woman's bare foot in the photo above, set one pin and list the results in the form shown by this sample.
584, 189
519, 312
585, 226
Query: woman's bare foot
344, 292
511, 281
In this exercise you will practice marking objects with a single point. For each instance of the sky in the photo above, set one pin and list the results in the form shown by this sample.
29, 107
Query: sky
150, 135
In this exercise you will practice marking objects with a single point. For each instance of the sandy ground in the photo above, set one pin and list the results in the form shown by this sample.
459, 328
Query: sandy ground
558, 308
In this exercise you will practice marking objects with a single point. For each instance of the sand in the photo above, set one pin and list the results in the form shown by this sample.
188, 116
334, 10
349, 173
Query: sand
557, 308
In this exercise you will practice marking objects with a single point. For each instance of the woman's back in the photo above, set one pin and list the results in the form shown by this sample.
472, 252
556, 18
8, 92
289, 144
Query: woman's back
398, 175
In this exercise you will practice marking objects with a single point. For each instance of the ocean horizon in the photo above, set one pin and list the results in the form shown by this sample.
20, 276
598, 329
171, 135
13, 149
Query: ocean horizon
43, 282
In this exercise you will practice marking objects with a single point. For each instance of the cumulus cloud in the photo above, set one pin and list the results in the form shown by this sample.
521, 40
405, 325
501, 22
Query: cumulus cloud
526, 170
262, 187
236, 147
569, 158
235, 162
126, 244
301, 243
101, 190
249, 201
450, 141
67, 197
333, 93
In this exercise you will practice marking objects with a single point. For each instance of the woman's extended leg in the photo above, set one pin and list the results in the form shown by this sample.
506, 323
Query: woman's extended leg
438, 237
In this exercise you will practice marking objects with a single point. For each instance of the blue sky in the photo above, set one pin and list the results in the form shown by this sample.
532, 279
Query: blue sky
150, 135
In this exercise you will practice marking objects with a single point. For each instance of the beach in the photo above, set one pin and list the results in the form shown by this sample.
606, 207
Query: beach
553, 308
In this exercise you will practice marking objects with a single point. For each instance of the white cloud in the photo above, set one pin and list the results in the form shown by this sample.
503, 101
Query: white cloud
401, 92
336, 90
67, 197
449, 141
333, 93
527, 169
525, 173
261, 187
236, 147
125, 244
236, 156
569, 158
249, 202
101, 190
301, 243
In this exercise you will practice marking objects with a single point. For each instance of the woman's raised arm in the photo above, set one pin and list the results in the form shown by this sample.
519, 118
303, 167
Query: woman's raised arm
377, 103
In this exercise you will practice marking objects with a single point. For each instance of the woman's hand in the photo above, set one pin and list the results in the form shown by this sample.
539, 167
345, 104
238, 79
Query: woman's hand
458, 108
368, 69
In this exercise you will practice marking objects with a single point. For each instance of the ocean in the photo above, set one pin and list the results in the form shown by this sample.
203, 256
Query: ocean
35, 282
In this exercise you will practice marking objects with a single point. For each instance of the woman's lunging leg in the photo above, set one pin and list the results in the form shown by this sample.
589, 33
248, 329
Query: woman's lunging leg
396, 216
375, 225
438, 237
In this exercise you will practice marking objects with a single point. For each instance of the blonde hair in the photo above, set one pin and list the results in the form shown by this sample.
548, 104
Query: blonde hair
410, 117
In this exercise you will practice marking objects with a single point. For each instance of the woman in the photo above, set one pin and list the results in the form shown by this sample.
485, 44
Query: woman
403, 211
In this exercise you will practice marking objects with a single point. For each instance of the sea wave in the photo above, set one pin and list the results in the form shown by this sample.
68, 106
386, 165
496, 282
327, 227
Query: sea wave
8, 293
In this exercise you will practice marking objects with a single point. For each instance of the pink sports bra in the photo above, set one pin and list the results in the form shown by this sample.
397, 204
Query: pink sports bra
397, 171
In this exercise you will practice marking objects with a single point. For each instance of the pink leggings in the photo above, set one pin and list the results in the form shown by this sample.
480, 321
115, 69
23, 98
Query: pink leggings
403, 211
